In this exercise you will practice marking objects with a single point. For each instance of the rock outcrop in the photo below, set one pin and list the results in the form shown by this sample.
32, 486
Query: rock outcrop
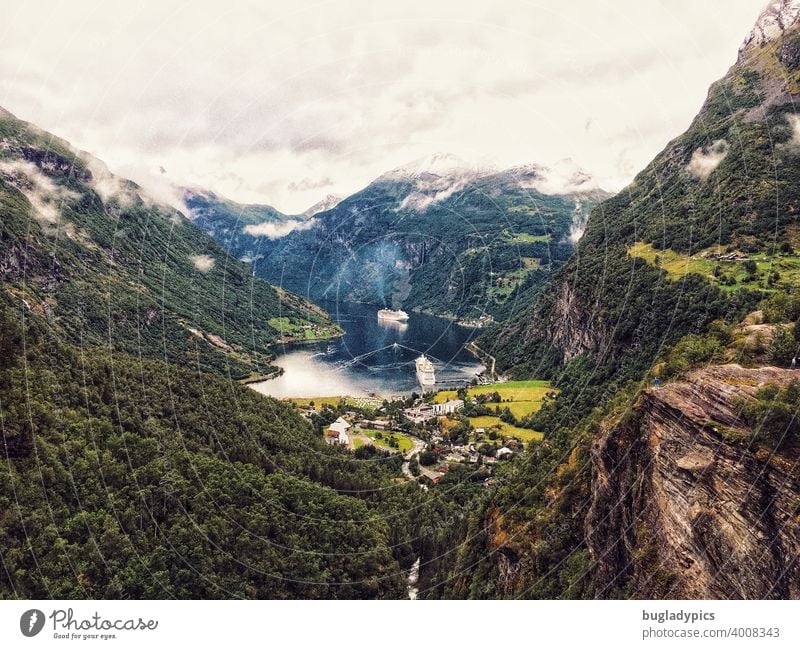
776, 19
685, 505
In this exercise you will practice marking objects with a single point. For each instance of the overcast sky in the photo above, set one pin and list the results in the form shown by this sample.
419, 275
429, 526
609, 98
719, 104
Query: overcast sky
284, 102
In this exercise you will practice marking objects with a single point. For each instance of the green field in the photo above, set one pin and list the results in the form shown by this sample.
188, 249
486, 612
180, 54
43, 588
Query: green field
404, 442
524, 237
524, 434
676, 265
298, 329
334, 401
521, 397
520, 409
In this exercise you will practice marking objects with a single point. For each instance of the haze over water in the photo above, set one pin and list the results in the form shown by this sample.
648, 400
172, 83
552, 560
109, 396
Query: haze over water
365, 360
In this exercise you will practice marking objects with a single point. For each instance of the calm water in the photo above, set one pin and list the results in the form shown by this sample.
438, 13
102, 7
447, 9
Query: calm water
366, 360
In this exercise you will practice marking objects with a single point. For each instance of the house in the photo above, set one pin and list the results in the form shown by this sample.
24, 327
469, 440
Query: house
341, 425
448, 407
337, 432
420, 414
504, 452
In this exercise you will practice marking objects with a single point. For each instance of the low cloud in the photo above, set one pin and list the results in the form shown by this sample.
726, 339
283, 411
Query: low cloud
706, 159
420, 201
203, 263
107, 185
794, 122
276, 230
563, 177
44, 195
309, 183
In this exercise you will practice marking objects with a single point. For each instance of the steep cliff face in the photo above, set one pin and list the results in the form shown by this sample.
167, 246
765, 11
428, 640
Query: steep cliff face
685, 506
729, 183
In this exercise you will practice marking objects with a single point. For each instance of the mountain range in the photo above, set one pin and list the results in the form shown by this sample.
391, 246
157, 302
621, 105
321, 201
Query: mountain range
439, 236
668, 465
133, 465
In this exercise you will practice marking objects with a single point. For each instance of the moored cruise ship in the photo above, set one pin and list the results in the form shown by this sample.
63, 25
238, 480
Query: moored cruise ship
391, 314
425, 372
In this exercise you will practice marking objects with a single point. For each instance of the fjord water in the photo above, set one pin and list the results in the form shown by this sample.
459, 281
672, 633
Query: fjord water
366, 360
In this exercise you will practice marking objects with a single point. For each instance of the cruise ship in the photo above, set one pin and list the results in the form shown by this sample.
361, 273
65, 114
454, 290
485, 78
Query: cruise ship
391, 314
425, 373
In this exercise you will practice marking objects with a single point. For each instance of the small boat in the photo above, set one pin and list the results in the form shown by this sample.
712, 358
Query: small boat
426, 375
392, 314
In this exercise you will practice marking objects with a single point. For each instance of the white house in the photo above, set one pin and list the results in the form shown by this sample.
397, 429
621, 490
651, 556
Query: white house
448, 407
341, 425
337, 432
503, 452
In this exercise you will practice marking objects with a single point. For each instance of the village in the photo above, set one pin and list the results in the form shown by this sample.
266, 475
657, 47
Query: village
474, 427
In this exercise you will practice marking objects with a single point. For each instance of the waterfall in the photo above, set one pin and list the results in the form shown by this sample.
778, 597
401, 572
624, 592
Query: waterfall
413, 578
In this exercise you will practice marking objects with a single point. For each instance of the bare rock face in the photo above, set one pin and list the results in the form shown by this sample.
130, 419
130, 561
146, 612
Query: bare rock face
571, 329
683, 506
777, 17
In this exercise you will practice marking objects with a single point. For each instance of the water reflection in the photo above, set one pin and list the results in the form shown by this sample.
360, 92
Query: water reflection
366, 359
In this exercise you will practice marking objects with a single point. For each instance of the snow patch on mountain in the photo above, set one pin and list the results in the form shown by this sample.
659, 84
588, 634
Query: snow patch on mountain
327, 203
438, 165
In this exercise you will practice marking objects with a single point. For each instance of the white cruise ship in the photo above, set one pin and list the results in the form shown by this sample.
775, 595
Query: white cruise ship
425, 372
391, 314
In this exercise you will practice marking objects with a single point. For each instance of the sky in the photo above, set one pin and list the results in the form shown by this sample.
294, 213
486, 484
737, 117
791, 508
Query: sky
285, 102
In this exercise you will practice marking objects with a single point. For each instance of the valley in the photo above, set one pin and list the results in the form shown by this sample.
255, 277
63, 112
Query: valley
592, 396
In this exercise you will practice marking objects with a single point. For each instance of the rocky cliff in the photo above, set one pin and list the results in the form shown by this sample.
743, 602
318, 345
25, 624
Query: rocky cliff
685, 505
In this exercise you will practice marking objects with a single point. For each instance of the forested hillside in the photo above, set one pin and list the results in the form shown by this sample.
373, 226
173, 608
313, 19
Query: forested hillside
127, 478
106, 266
456, 242
690, 275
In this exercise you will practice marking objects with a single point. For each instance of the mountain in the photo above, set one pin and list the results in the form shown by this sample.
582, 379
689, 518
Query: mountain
688, 486
437, 235
107, 266
131, 478
327, 203
132, 465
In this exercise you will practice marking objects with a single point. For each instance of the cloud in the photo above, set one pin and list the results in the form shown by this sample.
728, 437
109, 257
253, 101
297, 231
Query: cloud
277, 230
107, 185
309, 183
249, 99
421, 201
44, 195
563, 177
794, 122
203, 263
706, 159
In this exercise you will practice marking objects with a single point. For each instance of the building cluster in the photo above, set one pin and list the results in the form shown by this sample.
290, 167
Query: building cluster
424, 412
